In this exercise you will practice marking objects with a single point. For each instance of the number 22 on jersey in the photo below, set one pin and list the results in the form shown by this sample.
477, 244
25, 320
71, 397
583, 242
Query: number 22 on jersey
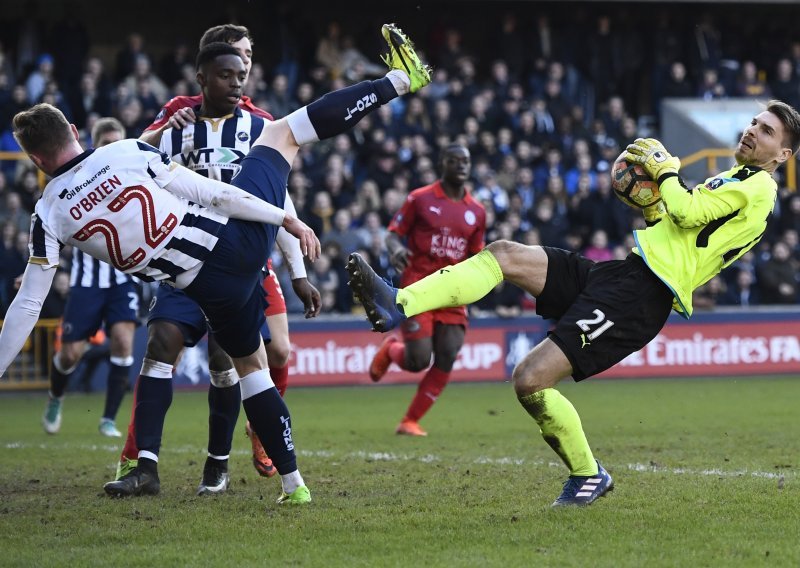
153, 234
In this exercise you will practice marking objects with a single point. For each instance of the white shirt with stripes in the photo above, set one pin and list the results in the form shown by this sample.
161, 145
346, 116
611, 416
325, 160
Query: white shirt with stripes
213, 147
110, 203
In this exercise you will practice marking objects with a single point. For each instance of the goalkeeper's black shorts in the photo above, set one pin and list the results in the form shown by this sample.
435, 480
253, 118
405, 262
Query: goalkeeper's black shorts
604, 310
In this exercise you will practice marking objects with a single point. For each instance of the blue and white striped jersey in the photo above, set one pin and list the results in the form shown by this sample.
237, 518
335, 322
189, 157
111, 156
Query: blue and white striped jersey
88, 272
111, 204
213, 147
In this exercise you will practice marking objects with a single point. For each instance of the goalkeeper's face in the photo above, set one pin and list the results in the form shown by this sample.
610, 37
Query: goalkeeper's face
762, 143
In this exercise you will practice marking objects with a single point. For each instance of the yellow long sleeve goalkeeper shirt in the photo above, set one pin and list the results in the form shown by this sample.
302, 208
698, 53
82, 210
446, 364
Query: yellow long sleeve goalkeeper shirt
706, 228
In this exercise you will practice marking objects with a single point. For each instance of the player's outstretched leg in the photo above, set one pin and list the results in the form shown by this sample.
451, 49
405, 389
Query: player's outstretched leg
582, 490
402, 56
377, 296
338, 111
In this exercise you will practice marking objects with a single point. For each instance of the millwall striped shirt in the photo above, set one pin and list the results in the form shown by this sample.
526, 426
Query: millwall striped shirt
88, 272
111, 204
213, 147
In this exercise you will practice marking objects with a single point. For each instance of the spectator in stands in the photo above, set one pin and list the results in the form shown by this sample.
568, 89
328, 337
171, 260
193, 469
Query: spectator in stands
126, 57
709, 294
89, 100
342, 233
143, 74
320, 214
329, 50
785, 84
777, 277
278, 98
27, 187
8, 238
678, 83
552, 228
598, 249
710, 87
790, 213
41, 76
504, 301
582, 169
742, 292
751, 83
172, 64
56, 300
14, 213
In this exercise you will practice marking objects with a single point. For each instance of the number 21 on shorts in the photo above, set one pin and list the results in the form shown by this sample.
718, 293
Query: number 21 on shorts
594, 327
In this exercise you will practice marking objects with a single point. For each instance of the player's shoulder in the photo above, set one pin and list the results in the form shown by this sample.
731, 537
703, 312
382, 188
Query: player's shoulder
246, 104
426, 191
172, 106
182, 101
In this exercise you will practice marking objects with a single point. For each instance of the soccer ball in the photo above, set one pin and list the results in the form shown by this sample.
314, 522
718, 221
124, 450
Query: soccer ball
632, 184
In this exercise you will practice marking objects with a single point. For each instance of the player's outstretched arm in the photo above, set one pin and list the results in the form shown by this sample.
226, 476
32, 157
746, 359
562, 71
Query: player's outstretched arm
223, 198
289, 245
309, 243
24, 312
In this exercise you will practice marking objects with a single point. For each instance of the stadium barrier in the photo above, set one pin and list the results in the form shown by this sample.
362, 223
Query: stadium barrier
31, 368
338, 350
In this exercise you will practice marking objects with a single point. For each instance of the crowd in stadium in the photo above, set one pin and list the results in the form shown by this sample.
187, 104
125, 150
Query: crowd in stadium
543, 124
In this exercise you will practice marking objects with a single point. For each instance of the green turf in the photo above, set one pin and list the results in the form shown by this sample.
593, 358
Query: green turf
706, 474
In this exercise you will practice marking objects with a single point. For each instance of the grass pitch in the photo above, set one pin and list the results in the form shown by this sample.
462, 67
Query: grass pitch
706, 474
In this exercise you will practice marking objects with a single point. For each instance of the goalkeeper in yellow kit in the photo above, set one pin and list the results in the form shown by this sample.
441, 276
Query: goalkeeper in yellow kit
608, 310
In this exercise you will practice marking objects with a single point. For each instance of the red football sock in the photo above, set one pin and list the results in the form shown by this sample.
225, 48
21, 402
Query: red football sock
280, 376
130, 451
397, 353
429, 389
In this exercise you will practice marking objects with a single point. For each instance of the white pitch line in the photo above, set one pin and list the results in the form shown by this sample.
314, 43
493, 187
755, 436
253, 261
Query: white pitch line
426, 458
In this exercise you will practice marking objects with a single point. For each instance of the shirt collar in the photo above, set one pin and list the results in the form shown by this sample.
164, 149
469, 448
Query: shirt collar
73, 162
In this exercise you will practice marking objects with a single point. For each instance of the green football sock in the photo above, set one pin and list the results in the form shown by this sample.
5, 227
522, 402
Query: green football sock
561, 429
457, 285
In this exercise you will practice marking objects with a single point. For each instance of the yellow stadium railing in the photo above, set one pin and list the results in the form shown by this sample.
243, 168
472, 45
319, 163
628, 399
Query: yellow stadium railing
31, 369
710, 155
21, 156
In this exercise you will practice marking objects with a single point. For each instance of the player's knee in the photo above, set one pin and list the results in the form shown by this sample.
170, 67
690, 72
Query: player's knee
66, 360
506, 252
164, 343
278, 353
218, 360
416, 362
445, 361
525, 378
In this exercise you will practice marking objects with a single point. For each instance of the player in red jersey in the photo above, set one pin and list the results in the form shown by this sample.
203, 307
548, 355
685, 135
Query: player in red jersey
438, 226
177, 113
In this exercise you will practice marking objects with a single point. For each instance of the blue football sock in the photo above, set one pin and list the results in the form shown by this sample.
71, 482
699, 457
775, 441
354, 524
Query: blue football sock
153, 398
223, 412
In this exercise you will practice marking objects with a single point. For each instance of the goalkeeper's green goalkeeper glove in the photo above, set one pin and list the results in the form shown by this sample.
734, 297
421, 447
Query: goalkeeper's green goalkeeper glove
653, 157
654, 213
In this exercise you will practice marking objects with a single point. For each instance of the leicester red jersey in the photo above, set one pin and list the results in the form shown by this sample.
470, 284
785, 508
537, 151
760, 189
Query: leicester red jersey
177, 103
439, 231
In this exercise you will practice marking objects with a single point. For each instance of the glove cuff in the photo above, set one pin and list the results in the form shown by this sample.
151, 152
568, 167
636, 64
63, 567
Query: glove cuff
665, 176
